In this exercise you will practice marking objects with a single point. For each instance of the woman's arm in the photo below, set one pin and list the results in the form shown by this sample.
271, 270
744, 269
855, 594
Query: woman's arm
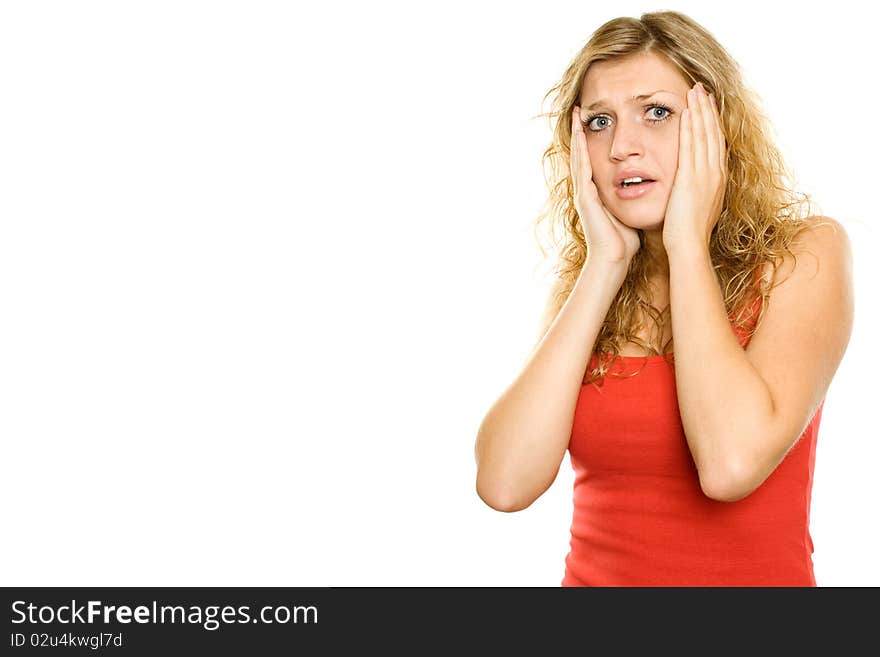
743, 410
522, 439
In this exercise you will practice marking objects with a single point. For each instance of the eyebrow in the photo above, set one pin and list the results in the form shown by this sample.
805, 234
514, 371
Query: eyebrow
599, 103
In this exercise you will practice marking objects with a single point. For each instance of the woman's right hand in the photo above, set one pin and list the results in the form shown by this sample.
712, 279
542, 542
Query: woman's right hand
607, 238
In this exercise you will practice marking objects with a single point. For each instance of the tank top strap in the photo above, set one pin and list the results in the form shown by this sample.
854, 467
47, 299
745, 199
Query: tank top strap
753, 311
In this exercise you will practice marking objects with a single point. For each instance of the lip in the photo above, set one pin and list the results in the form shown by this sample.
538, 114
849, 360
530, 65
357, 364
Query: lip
635, 191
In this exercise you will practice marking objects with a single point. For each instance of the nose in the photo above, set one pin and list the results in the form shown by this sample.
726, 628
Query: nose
626, 142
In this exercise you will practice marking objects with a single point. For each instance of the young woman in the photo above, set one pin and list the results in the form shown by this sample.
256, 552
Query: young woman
693, 465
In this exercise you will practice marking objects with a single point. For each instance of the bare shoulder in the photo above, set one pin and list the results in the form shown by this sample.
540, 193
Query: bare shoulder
825, 238
824, 243
811, 304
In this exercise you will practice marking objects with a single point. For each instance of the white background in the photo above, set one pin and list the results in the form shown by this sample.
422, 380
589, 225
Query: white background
264, 266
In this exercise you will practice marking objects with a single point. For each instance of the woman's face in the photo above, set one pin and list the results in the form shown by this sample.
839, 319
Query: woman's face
628, 133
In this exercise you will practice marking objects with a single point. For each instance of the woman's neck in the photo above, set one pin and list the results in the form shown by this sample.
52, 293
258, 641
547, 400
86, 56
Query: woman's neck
659, 267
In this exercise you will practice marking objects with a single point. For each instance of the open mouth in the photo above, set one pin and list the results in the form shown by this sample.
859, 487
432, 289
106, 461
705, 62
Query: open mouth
635, 190
641, 181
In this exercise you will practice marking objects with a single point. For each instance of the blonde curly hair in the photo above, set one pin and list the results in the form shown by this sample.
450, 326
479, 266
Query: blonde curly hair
761, 215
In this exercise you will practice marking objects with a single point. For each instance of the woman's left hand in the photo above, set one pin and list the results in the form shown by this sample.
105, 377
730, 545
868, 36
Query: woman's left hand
697, 196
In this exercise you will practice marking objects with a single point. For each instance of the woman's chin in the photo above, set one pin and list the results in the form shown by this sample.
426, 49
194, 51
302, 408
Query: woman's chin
645, 220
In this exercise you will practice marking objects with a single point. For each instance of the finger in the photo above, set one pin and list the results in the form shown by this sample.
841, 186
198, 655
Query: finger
580, 168
685, 141
698, 130
581, 143
722, 142
710, 129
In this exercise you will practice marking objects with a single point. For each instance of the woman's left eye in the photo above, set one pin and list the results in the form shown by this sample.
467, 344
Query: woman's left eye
665, 109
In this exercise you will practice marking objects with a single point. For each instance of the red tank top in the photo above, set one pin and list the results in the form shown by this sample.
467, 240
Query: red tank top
640, 516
